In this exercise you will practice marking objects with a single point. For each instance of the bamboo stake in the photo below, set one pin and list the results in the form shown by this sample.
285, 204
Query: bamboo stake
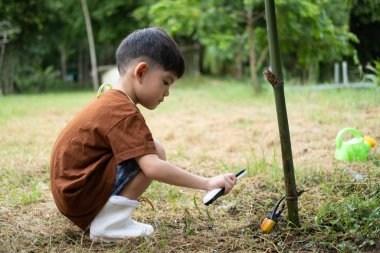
275, 79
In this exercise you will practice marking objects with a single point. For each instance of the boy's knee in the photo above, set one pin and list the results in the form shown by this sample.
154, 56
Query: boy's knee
160, 150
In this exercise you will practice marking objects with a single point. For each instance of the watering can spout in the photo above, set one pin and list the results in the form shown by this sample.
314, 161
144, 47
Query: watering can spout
371, 141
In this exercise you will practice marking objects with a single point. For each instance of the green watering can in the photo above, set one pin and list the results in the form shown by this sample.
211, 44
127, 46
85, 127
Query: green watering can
354, 150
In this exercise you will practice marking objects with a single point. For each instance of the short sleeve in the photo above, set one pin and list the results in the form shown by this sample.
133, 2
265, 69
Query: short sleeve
131, 138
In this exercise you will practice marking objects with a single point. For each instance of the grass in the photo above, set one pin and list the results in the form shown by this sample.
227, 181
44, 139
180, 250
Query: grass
208, 126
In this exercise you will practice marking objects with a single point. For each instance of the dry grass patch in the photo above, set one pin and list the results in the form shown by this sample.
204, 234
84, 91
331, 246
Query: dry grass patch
217, 128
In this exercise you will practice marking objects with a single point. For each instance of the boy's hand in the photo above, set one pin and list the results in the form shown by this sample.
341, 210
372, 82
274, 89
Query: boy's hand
226, 181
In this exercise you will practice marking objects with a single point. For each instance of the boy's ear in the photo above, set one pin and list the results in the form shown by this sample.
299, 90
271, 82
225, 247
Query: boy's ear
140, 70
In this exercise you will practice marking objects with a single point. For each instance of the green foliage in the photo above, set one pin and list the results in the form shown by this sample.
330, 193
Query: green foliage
364, 21
32, 79
6, 27
30, 197
179, 18
221, 32
19, 189
374, 75
52, 33
112, 21
188, 221
308, 27
28, 16
367, 10
221, 27
357, 215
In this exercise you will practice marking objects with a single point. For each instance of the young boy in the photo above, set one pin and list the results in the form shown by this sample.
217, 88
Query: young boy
106, 157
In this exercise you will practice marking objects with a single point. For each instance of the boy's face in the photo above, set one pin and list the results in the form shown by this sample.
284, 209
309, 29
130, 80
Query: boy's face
154, 85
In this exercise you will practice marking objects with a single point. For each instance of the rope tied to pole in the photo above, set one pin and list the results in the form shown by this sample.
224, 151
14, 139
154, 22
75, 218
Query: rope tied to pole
299, 193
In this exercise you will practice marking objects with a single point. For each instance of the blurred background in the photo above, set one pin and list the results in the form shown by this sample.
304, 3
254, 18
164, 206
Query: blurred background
56, 45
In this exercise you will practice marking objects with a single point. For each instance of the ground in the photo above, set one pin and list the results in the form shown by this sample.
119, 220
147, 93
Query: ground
207, 128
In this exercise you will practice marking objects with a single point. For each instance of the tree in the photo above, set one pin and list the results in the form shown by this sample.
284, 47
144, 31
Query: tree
90, 36
6, 33
28, 19
365, 23
248, 6
53, 33
310, 36
181, 19
222, 28
232, 33
218, 37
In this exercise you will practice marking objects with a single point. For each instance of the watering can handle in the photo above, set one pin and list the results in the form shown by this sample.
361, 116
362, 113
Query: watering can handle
342, 132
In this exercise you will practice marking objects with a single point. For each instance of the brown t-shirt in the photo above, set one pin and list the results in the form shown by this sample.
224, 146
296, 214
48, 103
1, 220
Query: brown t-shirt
110, 130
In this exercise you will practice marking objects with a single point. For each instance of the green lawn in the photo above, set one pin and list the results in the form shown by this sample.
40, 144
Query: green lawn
207, 126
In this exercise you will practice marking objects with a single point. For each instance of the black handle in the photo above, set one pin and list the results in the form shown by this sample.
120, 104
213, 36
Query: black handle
220, 193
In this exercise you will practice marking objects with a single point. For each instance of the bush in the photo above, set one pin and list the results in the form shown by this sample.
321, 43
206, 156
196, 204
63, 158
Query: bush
36, 79
374, 76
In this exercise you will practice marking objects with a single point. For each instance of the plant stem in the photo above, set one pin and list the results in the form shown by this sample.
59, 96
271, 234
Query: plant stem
275, 79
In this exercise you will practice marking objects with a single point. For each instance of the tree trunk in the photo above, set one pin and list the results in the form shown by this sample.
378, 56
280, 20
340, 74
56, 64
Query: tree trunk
262, 57
7, 74
239, 64
278, 86
63, 61
197, 58
86, 69
310, 73
90, 36
2, 53
80, 66
252, 53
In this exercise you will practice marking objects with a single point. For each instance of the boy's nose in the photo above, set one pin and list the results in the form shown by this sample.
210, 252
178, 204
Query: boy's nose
166, 93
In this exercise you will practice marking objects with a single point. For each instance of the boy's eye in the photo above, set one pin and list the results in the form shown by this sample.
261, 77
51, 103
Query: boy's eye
166, 83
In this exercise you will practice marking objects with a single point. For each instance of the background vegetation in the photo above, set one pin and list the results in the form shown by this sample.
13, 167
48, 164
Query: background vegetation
44, 43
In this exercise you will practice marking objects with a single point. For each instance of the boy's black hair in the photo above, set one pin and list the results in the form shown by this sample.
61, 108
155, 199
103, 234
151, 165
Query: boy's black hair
153, 43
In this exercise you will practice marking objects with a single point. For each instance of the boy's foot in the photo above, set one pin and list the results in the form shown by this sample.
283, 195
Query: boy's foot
113, 223
131, 230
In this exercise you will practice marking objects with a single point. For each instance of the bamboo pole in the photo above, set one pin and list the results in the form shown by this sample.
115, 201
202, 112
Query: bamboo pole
275, 79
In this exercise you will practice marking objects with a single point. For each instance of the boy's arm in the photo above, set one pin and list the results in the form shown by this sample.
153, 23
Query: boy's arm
163, 171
